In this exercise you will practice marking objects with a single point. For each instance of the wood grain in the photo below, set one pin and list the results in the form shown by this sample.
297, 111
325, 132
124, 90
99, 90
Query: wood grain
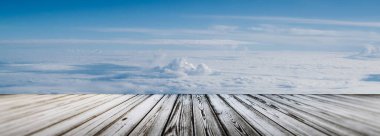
154, 122
205, 120
185, 114
233, 123
181, 119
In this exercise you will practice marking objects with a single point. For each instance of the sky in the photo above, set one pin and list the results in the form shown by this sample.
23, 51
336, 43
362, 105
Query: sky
197, 46
326, 25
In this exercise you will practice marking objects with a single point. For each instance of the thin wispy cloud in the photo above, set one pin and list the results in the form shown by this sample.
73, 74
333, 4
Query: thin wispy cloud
220, 35
303, 31
154, 31
299, 20
212, 30
178, 42
301, 36
224, 28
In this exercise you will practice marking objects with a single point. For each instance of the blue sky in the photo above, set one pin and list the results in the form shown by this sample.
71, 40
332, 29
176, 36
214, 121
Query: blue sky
197, 46
331, 25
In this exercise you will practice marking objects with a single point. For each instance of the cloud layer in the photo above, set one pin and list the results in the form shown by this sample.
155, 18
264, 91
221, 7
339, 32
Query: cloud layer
200, 72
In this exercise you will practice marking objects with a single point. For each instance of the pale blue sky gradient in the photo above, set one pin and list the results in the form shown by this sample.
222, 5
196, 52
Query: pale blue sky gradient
331, 25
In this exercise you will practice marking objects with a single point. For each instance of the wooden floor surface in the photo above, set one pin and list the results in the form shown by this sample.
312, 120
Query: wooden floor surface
105, 114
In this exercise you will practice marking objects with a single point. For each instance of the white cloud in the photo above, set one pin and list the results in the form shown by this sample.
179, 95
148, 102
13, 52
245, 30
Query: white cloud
301, 20
212, 30
155, 31
224, 28
46, 67
254, 72
178, 42
227, 35
264, 34
180, 67
296, 31
302, 31
267, 34
369, 52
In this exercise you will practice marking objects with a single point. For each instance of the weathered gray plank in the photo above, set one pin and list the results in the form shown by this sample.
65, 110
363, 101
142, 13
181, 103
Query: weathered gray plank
101, 114
125, 125
27, 100
294, 126
257, 119
365, 100
29, 124
12, 97
154, 123
19, 97
205, 120
2, 96
68, 124
358, 105
362, 116
354, 126
372, 98
13, 114
233, 123
99, 123
327, 126
181, 119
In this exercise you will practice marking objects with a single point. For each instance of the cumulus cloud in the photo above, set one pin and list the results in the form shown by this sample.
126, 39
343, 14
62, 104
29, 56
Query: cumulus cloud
369, 52
180, 67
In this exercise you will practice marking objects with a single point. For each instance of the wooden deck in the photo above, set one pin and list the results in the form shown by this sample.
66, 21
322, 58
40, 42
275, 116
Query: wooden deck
102, 114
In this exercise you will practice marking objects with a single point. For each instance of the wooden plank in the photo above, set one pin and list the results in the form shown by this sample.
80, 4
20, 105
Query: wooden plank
27, 100
101, 122
18, 97
125, 124
2, 96
294, 126
353, 105
9, 97
25, 118
181, 119
206, 122
360, 98
347, 99
322, 124
248, 110
68, 124
154, 122
35, 108
372, 98
102, 114
233, 123
362, 116
41, 120
356, 127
